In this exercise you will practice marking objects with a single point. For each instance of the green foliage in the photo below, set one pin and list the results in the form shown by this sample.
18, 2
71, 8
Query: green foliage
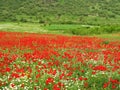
83, 29
66, 29
61, 11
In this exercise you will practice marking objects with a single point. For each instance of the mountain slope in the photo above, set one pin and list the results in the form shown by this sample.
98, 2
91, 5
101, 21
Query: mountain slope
61, 11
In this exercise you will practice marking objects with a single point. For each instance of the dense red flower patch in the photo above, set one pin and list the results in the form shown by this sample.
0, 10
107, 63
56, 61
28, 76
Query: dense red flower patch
56, 62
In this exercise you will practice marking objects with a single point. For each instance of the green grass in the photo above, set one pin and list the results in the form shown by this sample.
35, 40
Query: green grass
21, 27
66, 29
110, 36
77, 29
25, 27
62, 27
73, 29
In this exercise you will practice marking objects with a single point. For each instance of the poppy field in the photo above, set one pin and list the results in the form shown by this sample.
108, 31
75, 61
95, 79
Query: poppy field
58, 62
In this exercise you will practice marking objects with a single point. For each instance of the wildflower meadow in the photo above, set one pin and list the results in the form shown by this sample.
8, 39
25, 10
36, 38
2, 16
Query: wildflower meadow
30, 61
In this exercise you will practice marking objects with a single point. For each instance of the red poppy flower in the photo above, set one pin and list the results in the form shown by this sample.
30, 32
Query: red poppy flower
81, 78
15, 75
105, 85
7, 69
100, 67
49, 80
12, 85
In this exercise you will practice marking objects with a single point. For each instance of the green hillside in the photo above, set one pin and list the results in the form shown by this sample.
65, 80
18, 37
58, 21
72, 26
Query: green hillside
61, 11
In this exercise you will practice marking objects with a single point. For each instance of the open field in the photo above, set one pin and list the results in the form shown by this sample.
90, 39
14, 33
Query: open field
66, 29
58, 62
53, 57
21, 27
115, 36
59, 44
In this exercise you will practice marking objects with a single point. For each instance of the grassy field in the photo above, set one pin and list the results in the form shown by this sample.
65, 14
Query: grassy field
59, 57
26, 27
59, 44
110, 36
66, 29
21, 27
